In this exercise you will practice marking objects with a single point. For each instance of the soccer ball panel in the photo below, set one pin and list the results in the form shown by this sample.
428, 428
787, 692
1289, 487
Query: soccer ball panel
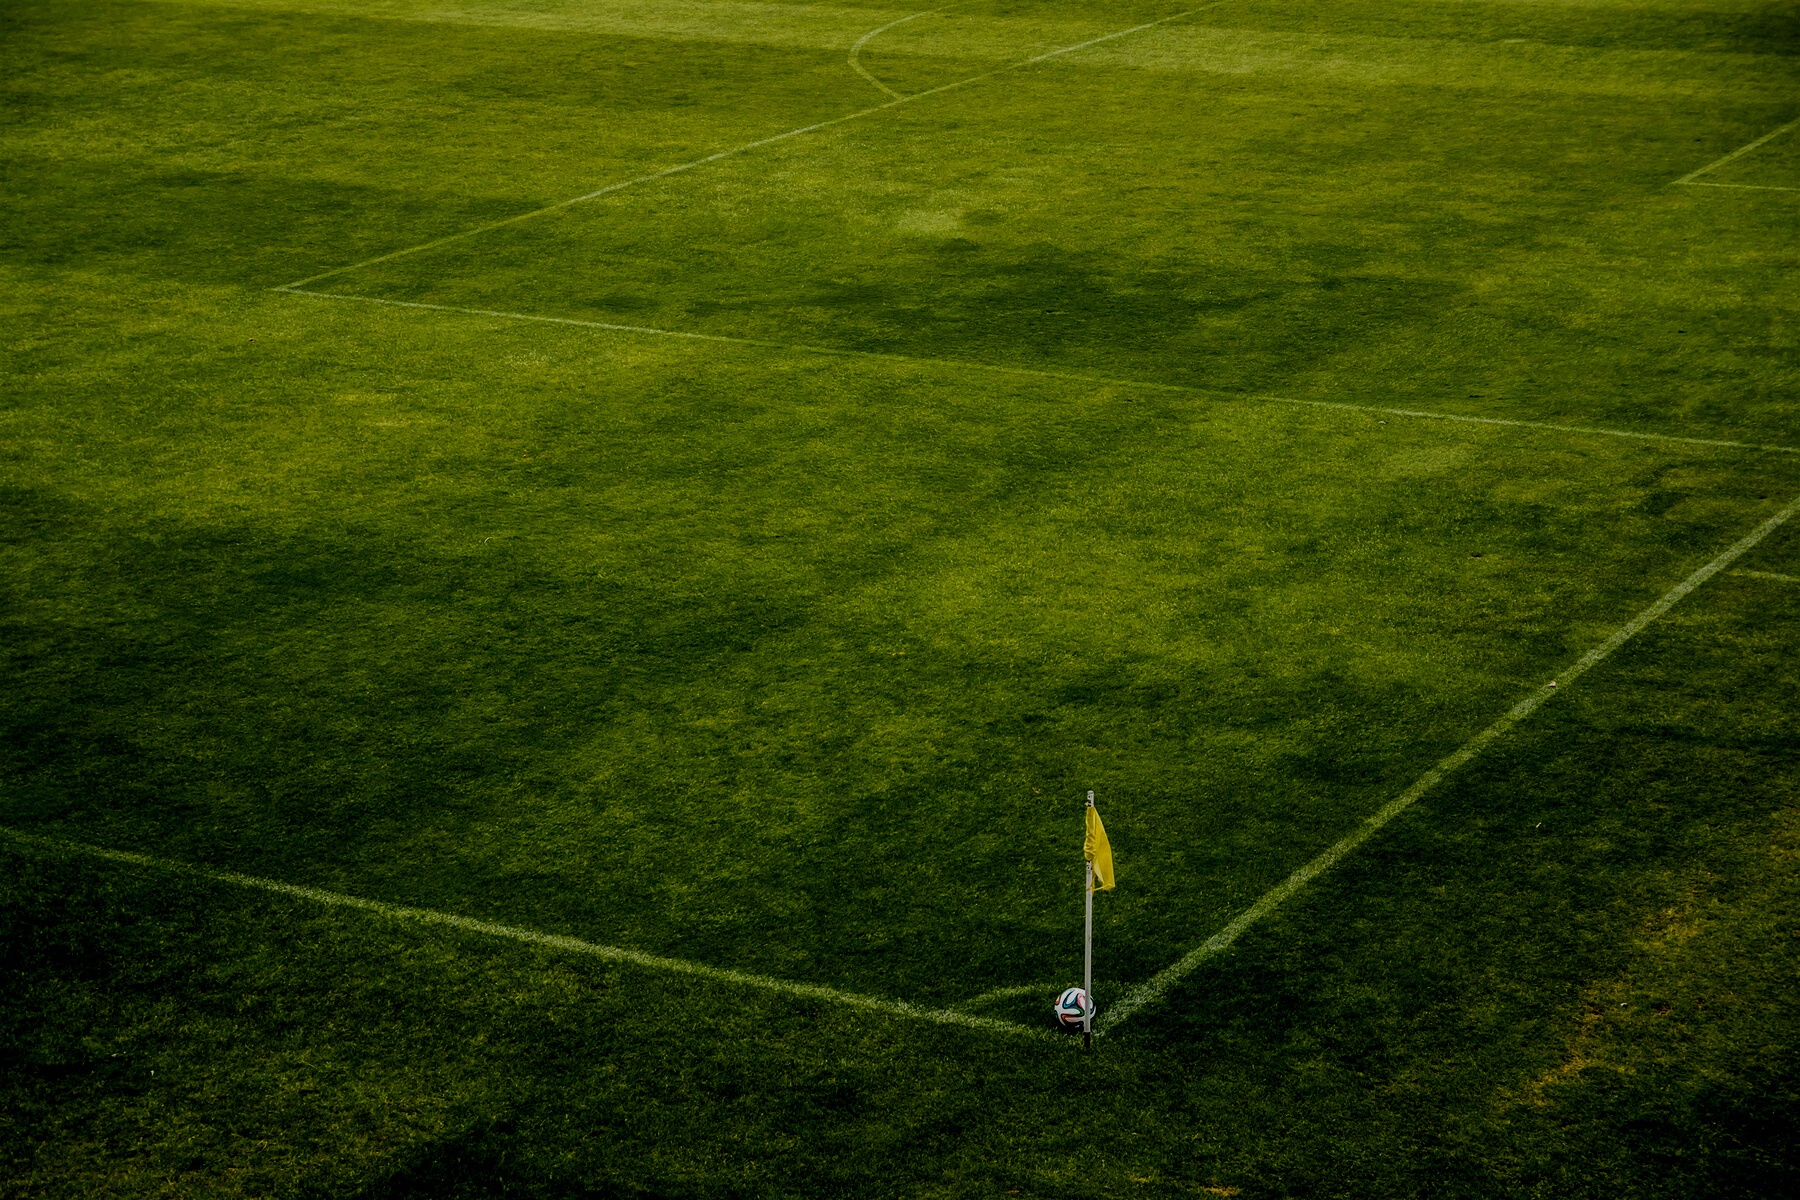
1073, 1007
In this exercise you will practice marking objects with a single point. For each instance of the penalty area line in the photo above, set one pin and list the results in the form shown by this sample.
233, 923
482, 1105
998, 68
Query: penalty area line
426, 916
732, 151
1031, 372
1157, 986
1741, 150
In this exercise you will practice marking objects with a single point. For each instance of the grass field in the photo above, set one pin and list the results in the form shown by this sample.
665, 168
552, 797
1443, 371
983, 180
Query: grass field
694, 478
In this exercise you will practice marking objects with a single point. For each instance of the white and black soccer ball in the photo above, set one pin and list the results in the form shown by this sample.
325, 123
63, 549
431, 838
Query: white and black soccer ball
1073, 1007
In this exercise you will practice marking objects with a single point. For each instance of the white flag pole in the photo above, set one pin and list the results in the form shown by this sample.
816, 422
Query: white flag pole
1087, 955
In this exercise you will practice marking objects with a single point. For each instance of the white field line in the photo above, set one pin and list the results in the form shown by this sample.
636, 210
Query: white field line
856, 51
1006, 993
653, 962
1587, 429
1713, 166
1098, 380
1270, 900
1768, 575
736, 150
1749, 187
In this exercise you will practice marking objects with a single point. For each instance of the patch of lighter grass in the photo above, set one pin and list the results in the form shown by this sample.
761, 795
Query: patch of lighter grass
1444, 62
816, 25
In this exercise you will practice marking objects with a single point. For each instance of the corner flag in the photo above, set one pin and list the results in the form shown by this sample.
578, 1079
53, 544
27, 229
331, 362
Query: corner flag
1097, 850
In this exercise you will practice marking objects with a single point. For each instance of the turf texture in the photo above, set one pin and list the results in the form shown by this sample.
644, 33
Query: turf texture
756, 565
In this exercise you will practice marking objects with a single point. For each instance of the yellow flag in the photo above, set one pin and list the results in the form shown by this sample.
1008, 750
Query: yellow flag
1097, 850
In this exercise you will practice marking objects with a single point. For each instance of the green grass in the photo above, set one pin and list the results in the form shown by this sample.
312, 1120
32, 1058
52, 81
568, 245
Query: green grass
792, 650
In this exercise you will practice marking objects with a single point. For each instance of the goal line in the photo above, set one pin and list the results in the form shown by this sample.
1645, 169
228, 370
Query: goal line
655, 962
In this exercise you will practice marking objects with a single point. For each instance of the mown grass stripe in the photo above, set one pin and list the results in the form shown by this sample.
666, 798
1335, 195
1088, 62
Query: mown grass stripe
1036, 373
1272, 899
810, 991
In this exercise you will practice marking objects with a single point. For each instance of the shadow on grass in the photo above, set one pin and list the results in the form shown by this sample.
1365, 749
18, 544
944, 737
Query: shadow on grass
473, 1165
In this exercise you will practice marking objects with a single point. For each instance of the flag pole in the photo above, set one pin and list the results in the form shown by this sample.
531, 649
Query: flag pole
1087, 956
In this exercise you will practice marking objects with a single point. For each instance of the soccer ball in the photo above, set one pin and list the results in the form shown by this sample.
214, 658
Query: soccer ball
1073, 1007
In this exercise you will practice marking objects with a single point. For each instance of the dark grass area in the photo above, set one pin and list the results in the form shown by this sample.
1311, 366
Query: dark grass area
886, 646
1763, 29
1565, 975
799, 663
